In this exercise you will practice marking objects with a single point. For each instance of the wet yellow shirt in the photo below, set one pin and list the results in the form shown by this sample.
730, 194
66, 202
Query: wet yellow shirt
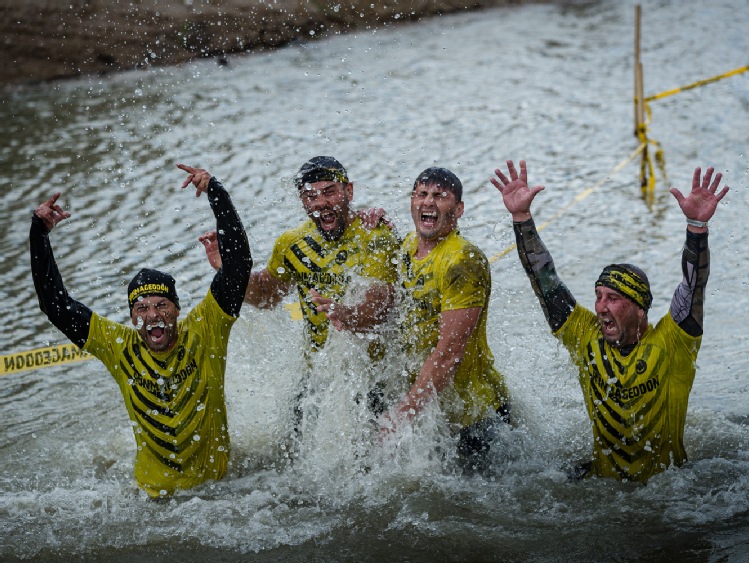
175, 399
303, 256
454, 275
637, 403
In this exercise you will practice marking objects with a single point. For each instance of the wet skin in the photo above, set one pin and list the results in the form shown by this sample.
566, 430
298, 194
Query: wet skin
328, 205
155, 317
435, 213
622, 322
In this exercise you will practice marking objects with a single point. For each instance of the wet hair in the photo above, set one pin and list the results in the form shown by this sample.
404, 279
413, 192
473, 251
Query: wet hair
442, 177
319, 169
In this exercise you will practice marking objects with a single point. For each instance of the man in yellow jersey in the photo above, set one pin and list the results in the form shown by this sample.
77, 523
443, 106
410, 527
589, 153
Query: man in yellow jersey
170, 371
321, 256
635, 377
446, 288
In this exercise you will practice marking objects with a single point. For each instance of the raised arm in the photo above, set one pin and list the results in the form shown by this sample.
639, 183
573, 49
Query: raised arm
263, 290
687, 304
67, 314
229, 283
556, 300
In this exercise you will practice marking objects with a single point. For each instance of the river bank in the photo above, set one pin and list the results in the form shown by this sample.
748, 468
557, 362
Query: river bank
46, 40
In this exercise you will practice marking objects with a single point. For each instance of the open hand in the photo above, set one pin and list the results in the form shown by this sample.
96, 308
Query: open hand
373, 216
516, 194
701, 202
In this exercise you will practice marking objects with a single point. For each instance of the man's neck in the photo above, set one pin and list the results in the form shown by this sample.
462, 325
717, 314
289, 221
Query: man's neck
425, 245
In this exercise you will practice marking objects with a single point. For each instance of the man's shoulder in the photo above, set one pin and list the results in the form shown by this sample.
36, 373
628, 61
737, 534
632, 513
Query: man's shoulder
302, 230
108, 325
381, 232
458, 249
668, 328
580, 328
207, 307
409, 242
104, 333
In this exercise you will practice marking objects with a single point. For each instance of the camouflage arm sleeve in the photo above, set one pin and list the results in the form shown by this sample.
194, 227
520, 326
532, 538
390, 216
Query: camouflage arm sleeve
556, 300
687, 304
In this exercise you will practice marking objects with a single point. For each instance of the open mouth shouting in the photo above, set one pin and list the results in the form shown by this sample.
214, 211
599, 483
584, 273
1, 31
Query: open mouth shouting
155, 319
158, 335
156, 332
429, 219
435, 212
326, 220
609, 328
330, 222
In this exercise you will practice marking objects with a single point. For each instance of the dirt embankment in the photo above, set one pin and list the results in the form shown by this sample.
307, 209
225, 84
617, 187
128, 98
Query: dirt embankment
51, 39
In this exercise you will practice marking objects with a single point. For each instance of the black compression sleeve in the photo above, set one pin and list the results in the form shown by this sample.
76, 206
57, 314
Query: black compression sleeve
229, 283
70, 316
556, 300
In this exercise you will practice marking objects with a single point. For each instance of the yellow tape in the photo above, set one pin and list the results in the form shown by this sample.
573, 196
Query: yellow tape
69, 353
647, 170
697, 84
577, 199
42, 357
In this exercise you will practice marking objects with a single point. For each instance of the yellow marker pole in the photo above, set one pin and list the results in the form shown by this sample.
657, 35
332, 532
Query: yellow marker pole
637, 73
647, 181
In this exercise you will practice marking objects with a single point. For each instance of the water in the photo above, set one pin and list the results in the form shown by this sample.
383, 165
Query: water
550, 84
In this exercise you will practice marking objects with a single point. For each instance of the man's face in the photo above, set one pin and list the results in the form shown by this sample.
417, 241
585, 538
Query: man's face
620, 318
155, 317
435, 211
328, 205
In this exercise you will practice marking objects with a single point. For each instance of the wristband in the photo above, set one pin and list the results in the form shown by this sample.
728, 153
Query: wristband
696, 223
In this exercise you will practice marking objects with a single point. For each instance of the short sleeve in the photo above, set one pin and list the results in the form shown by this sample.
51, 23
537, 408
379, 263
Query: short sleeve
467, 281
276, 264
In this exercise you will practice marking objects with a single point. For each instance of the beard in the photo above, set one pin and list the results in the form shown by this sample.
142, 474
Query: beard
340, 223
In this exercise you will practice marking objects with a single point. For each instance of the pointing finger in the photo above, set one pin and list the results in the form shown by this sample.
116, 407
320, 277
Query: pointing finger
51, 201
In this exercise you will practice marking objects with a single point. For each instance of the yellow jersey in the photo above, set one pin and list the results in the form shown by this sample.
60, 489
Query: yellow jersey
175, 399
637, 403
303, 256
454, 275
